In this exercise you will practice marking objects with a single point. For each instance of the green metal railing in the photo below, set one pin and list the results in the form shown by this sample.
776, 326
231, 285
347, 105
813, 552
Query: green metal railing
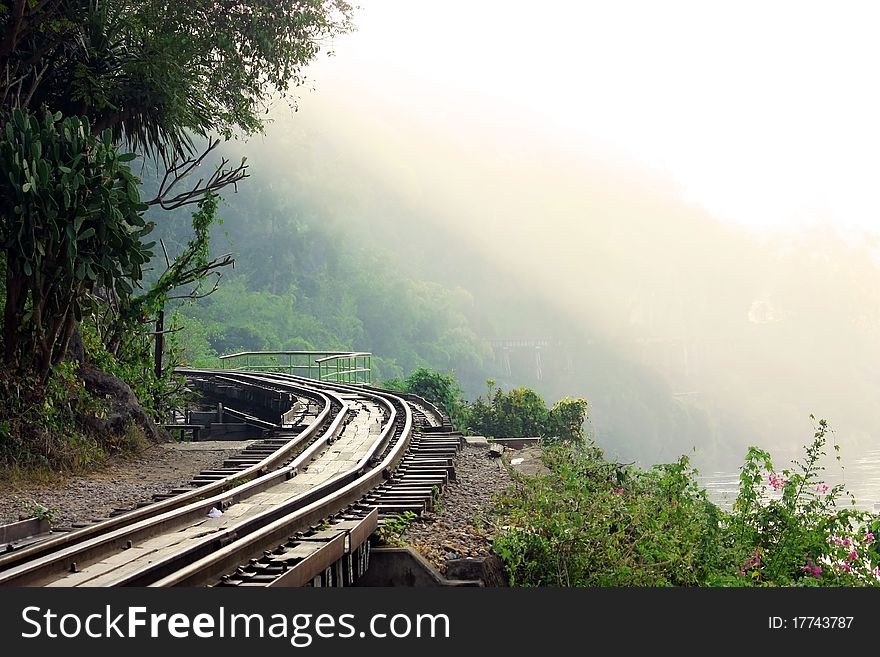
335, 366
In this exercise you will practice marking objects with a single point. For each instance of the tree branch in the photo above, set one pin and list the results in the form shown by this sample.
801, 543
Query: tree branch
179, 169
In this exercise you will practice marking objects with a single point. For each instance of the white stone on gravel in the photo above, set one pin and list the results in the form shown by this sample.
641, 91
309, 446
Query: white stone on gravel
121, 483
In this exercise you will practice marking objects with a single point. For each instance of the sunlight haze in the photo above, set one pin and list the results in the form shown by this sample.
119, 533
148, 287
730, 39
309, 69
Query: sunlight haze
763, 112
682, 193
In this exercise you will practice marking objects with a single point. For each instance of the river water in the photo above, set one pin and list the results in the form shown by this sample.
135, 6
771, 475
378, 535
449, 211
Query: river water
860, 475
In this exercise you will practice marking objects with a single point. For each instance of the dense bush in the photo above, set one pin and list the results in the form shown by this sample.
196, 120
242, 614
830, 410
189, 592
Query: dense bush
518, 413
51, 425
595, 523
789, 527
440, 389
521, 413
591, 522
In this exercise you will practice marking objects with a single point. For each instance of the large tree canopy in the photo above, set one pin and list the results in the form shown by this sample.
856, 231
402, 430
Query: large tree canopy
156, 72
79, 77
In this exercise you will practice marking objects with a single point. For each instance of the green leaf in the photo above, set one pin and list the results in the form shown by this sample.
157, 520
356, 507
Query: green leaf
26, 187
127, 157
86, 234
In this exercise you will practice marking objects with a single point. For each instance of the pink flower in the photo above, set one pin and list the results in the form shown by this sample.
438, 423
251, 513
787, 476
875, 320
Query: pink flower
846, 567
869, 537
847, 542
852, 556
822, 489
618, 491
776, 482
752, 562
811, 568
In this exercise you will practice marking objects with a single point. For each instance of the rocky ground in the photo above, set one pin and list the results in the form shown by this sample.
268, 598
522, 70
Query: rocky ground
120, 483
462, 525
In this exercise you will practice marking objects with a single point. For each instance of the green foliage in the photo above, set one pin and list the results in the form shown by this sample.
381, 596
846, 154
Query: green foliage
566, 419
192, 344
156, 72
515, 414
440, 389
134, 364
70, 220
522, 413
394, 527
58, 425
518, 413
188, 268
42, 512
150, 74
297, 285
789, 526
595, 523
46, 425
237, 318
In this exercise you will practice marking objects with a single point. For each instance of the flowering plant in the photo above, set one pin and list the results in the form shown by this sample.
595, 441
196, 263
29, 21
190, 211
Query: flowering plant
790, 528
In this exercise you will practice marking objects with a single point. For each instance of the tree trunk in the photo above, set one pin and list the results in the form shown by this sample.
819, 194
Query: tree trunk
69, 330
15, 297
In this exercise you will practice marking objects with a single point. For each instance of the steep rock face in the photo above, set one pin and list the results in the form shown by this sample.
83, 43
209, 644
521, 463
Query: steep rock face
124, 405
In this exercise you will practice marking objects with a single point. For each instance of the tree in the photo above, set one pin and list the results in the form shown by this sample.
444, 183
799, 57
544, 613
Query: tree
156, 72
70, 219
440, 389
158, 76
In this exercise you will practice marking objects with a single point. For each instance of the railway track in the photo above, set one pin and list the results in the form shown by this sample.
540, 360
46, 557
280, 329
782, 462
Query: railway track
296, 510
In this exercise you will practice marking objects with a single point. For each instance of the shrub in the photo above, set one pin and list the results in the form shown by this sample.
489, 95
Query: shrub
595, 523
790, 529
591, 522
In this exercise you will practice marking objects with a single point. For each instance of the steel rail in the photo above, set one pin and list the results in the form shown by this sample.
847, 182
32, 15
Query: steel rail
60, 554
306, 509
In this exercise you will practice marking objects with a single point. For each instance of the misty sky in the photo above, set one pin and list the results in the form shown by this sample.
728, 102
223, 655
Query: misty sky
763, 112
616, 157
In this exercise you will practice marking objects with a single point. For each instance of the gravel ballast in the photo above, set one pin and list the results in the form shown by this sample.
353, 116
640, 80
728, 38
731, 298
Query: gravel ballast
121, 483
462, 527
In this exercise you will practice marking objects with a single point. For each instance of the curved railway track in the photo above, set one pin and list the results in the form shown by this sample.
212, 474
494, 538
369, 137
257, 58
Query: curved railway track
298, 510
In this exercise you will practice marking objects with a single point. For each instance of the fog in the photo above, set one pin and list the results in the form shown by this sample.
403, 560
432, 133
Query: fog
682, 301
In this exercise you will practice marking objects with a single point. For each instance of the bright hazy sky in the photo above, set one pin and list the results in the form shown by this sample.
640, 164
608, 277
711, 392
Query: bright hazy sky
766, 113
